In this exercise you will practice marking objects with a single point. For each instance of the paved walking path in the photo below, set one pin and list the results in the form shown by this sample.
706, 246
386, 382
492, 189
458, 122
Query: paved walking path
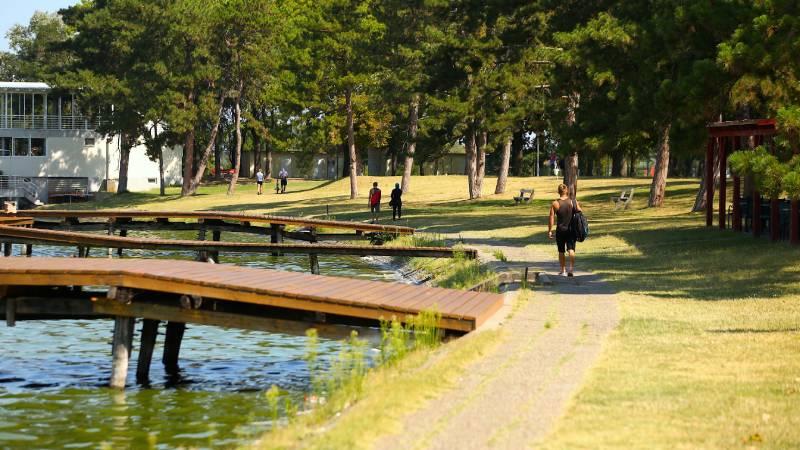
512, 397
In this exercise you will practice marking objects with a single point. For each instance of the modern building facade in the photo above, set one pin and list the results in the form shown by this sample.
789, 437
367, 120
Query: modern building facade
47, 142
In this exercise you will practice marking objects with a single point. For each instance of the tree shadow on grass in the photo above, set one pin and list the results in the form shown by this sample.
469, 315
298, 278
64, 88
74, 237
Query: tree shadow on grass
701, 264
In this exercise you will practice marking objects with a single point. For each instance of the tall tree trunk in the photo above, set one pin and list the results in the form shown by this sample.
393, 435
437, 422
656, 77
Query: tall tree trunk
238, 165
471, 151
617, 162
124, 163
517, 144
700, 199
413, 113
161, 187
217, 156
480, 160
571, 173
659, 186
257, 143
505, 159
351, 144
212, 143
268, 160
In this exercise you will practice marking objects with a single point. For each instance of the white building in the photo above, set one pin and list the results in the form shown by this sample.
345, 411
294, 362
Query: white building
47, 145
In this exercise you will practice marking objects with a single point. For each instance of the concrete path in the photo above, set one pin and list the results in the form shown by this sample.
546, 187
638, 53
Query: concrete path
513, 396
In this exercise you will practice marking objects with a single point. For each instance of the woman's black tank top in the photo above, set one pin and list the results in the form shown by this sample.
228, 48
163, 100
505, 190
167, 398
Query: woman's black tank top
564, 214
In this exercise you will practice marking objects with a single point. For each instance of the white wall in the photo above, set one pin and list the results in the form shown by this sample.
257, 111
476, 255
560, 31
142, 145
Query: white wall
68, 157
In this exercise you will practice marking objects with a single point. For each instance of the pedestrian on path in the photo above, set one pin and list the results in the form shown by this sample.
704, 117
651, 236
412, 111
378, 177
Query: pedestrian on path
284, 176
396, 202
374, 201
561, 211
260, 181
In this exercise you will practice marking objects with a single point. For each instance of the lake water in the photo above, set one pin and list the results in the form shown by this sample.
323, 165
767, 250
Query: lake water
53, 374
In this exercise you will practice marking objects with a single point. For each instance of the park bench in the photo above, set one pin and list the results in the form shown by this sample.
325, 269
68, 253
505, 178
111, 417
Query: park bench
525, 195
623, 200
67, 189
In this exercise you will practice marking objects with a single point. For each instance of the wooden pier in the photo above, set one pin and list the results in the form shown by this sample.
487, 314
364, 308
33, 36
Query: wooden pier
180, 292
217, 221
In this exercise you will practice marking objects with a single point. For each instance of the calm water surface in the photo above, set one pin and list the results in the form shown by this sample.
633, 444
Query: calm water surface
53, 373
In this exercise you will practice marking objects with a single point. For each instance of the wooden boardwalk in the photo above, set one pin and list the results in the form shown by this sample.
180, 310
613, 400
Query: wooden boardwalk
30, 236
460, 310
74, 216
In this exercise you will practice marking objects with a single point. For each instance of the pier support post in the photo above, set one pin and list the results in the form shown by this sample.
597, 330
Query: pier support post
215, 236
276, 236
172, 346
8, 248
110, 233
122, 233
146, 345
28, 250
314, 260
201, 236
121, 351
11, 312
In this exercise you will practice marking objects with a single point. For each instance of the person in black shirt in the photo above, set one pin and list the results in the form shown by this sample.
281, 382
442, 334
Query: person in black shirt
396, 202
561, 215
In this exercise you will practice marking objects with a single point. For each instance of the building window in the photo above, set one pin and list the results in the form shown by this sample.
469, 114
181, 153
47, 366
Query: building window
38, 147
5, 146
88, 142
21, 146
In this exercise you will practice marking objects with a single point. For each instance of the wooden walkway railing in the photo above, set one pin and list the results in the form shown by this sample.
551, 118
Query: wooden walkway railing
19, 235
186, 291
119, 215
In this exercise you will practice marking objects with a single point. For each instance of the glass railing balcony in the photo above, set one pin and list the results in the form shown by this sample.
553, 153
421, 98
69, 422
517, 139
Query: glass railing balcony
41, 122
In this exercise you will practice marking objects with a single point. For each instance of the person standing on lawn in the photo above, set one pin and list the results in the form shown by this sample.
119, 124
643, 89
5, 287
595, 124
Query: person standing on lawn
396, 202
284, 177
260, 181
374, 201
561, 211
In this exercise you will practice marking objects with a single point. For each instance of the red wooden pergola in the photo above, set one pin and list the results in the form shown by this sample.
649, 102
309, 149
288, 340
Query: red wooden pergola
725, 138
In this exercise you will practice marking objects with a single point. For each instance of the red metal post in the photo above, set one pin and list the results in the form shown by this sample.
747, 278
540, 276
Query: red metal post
710, 182
737, 205
756, 213
723, 179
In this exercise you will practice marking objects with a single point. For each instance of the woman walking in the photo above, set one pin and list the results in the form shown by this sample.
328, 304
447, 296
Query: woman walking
561, 211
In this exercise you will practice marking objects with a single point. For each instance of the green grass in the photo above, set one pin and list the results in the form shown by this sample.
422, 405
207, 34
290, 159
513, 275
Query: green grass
707, 351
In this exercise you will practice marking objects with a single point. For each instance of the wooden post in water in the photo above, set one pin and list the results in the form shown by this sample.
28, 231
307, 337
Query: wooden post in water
7, 249
215, 236
201, 236
314, 260
110, 233
11, 312
172, 346
122, 233
121, 351
28, 250
276, 236
146, 345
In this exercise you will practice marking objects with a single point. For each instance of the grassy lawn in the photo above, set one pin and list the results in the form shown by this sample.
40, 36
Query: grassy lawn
707, 354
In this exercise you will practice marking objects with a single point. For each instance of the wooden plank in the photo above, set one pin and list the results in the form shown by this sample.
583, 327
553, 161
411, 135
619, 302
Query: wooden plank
298, 291
214, 215
158, 312
66, 238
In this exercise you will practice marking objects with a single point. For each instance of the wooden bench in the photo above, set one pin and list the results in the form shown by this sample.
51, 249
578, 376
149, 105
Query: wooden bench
67, 189
623, 200
525, 195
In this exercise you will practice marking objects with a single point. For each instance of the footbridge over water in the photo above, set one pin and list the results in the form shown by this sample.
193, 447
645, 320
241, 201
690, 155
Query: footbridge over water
180, 292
